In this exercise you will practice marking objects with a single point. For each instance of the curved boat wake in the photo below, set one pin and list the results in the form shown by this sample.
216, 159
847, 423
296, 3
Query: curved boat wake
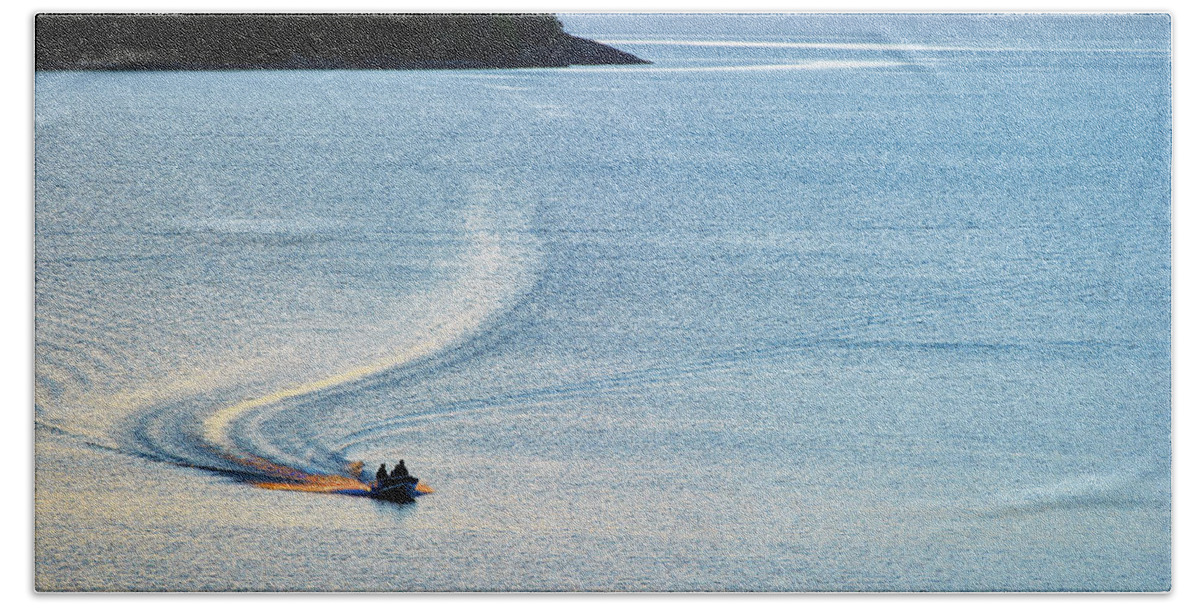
217, 427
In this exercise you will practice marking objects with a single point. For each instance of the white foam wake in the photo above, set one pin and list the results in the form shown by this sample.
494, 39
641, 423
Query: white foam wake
866, 46
831, 64
498, 265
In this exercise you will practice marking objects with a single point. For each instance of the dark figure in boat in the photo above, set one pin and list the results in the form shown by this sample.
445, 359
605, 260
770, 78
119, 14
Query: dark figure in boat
400, 471
398, 474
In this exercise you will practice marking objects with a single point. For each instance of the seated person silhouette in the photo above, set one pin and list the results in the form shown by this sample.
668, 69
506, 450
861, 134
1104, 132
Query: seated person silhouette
400, 472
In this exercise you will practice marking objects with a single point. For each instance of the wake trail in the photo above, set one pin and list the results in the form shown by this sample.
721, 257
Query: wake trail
499, 273
174, 388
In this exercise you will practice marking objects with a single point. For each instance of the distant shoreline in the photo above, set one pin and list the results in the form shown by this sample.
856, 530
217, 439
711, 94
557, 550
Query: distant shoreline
139, 42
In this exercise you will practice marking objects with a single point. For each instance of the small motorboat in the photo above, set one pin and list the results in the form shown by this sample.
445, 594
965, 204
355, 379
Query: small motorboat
399, 489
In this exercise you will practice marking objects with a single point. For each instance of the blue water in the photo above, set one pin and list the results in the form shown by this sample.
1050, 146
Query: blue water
832, 302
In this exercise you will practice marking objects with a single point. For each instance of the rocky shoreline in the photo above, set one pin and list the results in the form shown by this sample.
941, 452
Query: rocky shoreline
102, 42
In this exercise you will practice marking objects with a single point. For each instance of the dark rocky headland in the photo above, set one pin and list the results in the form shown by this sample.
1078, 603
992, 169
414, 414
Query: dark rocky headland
310, 41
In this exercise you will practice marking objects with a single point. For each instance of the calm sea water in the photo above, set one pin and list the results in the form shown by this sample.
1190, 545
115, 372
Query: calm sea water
848, 302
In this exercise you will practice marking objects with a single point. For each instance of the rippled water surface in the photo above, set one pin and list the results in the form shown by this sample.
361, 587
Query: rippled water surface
811, 303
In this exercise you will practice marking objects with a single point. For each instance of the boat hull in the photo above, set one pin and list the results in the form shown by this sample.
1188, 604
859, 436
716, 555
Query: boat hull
402, 491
